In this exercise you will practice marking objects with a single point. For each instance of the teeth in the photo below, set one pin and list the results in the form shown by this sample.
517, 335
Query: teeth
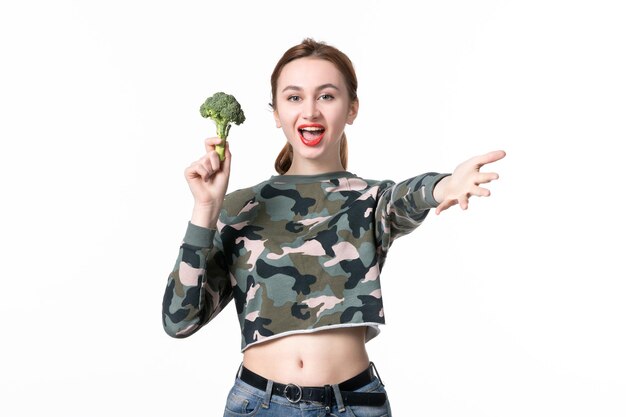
313, 129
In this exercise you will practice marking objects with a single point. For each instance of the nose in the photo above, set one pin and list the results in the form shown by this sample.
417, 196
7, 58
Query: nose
311, 111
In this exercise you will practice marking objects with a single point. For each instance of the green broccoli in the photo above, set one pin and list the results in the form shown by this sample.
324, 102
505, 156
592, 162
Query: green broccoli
223, 109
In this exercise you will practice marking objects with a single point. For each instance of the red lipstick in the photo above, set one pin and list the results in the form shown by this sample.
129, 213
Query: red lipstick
311, 133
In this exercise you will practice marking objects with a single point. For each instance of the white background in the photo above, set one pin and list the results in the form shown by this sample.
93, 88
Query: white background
515, 307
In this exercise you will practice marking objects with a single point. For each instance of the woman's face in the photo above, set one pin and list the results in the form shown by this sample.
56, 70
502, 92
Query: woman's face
312, 108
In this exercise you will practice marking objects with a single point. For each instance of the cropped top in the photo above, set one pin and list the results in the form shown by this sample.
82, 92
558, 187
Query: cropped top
298, 253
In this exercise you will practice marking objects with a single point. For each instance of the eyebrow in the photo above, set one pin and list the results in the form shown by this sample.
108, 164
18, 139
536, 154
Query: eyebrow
321, 87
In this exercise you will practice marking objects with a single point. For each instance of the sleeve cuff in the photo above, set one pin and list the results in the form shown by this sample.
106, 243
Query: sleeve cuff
429, 189
199, 236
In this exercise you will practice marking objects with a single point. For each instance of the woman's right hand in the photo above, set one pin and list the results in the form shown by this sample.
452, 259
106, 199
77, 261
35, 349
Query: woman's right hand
208, 181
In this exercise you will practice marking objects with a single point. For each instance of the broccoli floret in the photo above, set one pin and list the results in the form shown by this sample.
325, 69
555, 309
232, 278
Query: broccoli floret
224, 110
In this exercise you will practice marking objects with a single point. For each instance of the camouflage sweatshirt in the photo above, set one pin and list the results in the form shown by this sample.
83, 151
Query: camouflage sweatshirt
298, 253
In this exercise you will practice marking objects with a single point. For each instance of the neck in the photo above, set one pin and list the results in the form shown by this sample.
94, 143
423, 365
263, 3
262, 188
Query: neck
310, 167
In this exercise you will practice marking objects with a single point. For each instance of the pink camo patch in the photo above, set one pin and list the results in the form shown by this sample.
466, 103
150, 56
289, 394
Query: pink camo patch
215, 298
310, 248
369, 193
372, 274
327, 302
253, 315
255, 247
189, 275
248, 207
314, 221
252, 292
239, 226
258, 336
349, 184
343, 251
377, 293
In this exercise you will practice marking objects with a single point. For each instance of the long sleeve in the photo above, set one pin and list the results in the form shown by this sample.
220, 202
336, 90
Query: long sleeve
199, 287
402, 207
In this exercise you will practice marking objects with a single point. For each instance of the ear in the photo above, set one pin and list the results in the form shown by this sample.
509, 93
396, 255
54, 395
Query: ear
353, 111
277, 119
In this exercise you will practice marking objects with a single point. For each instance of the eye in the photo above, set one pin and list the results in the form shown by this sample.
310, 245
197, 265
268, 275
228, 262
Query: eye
326, 97
293, 98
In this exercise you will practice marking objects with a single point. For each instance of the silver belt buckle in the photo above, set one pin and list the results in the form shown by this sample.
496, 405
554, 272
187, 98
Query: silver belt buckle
290, 390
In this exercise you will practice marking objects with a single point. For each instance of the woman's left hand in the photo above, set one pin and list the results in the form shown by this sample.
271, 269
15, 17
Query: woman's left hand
465, 182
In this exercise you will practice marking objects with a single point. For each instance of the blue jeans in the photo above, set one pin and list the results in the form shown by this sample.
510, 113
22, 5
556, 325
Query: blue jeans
246, 401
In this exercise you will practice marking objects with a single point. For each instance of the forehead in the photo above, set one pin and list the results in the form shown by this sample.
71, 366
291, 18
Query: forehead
309, 72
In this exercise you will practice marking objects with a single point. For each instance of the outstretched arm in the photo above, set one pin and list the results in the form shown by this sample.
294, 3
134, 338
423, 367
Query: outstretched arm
465, 182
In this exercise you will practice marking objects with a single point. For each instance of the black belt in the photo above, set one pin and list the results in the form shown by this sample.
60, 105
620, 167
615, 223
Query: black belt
325, 395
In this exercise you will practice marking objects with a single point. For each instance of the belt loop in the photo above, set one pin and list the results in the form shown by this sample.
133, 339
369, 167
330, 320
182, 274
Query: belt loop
339, 398
328, 399
268, 394
376, 372
239, 370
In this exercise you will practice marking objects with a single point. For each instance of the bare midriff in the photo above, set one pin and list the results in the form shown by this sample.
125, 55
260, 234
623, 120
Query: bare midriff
311, 359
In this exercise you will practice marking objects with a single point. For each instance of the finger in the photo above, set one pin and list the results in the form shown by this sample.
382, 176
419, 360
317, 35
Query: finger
463, 203
480, 160
485, 177
481, 192
209, 143
213, 160
489, 157
191, 172
444, 205
205, 161
206, 174
197, 170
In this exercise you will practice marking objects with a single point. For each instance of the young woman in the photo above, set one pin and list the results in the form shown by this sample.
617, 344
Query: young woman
301, 252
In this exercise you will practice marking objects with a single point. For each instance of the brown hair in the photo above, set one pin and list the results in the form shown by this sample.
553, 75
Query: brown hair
311, 48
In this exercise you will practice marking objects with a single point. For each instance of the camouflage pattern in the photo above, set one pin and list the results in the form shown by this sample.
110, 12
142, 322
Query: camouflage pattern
297, 253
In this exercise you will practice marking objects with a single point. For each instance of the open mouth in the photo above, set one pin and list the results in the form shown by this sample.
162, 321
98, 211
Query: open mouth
311, 134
